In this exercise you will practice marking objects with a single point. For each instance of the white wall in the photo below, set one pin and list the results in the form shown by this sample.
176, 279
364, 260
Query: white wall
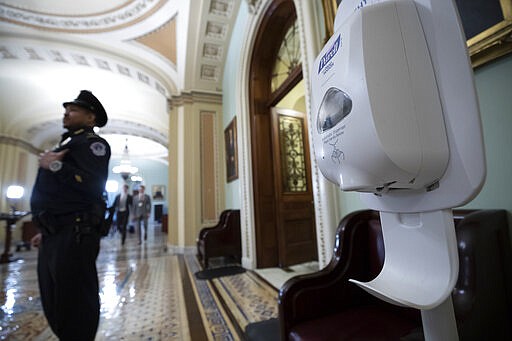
494, 88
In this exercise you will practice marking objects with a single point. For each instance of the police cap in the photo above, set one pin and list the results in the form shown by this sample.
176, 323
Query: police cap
87, 100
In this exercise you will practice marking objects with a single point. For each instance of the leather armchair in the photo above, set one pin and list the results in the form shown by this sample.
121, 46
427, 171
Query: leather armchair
222, 240
325, 306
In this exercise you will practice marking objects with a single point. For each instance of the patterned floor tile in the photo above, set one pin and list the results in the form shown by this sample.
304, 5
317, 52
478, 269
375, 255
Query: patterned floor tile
215, 319
140, 290
142, 296
246, 297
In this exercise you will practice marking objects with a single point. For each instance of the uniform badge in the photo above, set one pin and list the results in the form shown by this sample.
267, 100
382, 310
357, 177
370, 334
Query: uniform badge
98, 149
66, 141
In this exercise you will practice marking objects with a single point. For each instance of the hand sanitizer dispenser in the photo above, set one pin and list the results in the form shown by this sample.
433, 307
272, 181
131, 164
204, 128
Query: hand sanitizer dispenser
374, 94
395, 117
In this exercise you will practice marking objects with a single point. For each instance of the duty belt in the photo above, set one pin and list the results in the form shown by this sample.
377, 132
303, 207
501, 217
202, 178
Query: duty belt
53, 223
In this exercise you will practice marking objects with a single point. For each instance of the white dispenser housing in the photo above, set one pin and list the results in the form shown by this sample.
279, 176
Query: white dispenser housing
394, 106
374, 92
395, 117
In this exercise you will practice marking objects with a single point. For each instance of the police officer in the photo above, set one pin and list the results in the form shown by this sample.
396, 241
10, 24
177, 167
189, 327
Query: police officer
67, 207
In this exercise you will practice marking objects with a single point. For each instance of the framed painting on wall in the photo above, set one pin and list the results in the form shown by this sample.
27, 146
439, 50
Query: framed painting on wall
158, 192
487, 25
231, 151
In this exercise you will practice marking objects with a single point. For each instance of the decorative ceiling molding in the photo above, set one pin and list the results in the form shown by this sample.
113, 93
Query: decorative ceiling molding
253, 5
32, 39
124, 127
215, 40
216, 30
45, 126
194, 97
24, 52
210, 72
49, 133
213, 51
19, 143
222, 8
134, 11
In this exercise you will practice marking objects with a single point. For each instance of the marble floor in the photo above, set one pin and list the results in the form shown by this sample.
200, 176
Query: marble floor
147, 293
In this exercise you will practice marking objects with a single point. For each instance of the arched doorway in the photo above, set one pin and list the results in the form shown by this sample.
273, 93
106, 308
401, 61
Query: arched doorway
283, 200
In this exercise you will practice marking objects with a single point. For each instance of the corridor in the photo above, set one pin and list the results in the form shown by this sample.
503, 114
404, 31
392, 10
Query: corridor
147, 293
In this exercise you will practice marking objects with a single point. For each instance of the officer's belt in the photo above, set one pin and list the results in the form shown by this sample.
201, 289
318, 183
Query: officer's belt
53, 223
71, 219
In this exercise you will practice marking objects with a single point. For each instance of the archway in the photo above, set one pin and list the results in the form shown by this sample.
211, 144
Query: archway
284, 217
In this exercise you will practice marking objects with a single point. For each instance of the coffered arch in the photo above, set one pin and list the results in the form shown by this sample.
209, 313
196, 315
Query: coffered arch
137, 56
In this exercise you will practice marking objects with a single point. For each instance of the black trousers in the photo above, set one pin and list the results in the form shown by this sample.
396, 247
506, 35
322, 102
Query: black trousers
122, 221
142, 220
68, 282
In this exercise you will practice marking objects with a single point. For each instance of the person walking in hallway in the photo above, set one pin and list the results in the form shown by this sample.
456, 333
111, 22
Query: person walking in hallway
122, 204
68, 208
142, 211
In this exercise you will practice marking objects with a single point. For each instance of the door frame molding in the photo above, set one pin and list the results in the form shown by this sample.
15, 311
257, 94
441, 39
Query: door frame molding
278, 17
327, 214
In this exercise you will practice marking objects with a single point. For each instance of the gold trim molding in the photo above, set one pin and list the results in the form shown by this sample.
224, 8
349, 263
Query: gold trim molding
330, 8
486, 46
494, 42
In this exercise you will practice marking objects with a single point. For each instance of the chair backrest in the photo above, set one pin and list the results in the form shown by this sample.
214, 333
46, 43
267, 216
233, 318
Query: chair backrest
375, 247
482, 296
223, 216
367, 236
232, 227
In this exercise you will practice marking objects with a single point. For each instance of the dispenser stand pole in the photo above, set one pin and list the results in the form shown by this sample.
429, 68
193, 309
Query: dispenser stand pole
439, 323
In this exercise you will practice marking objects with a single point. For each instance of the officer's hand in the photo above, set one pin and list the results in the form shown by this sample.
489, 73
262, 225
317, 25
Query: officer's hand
47, 157
36, 240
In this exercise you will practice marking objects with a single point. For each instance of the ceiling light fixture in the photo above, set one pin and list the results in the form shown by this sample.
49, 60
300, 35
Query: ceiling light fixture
125, 167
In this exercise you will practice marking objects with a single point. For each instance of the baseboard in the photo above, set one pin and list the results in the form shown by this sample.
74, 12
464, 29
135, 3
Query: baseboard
181, 250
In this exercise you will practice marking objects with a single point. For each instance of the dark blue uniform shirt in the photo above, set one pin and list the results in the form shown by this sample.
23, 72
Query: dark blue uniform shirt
81, 180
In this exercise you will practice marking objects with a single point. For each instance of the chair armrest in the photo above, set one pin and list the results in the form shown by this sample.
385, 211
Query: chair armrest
205, 230
318, 294
229, 232
222, 220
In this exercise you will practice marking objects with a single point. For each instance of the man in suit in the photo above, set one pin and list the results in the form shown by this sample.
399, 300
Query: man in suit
142, 211
122, 204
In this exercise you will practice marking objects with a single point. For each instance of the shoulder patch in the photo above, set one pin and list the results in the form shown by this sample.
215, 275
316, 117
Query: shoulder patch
98, 148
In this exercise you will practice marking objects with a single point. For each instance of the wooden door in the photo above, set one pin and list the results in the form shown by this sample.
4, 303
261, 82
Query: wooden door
295, 216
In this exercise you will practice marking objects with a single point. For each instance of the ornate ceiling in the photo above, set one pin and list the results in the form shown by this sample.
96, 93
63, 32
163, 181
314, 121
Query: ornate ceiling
135, 55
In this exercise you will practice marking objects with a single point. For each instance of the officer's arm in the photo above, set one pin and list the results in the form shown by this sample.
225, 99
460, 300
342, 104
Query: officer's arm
91, 171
